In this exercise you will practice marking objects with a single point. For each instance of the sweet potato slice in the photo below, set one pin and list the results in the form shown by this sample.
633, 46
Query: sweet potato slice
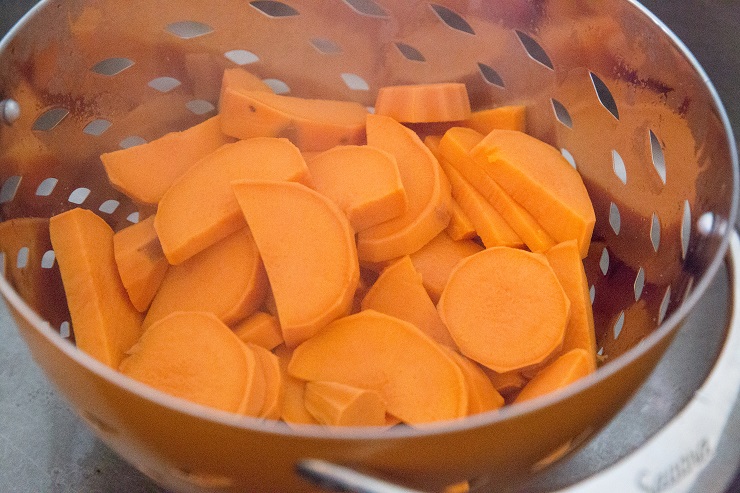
337, 404
399, 292
293, 407
308, 248
427, 213
482, 396
200, 209
512, 117
418, 381
363, 181
417, 103
147, 171
193, 356
565, 260
140, 261
311, 124
239, 80
270, 368
435, 261
261, 329
460, 227
455, 147
227, 279
571, 366
255, 390
505, 308
489, 224
105, 322
540, 179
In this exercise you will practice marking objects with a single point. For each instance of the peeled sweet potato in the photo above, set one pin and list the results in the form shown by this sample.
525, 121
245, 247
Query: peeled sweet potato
309, 253
419, 382
105, 322
342, 270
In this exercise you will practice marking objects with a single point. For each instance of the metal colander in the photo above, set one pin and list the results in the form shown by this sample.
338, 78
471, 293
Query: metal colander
602, 80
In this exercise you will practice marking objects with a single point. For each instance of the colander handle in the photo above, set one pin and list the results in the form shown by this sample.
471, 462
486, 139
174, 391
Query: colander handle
333, 477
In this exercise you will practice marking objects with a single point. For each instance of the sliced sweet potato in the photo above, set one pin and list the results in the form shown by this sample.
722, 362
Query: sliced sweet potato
105, 322
147, 171
293, 408
363, 181
194, 356
255, 390
505, 308
436, 260
273, 376
489, 224
512, 117
260, 329
427, 213
337, 404
240, 80
460, 227
418, 381
483, 121
200, 208
416, 103
565, 260
482, 396
455, 148
399, 292
540, 179
311, 124
571, 366
308, 248
140, 261
227, 279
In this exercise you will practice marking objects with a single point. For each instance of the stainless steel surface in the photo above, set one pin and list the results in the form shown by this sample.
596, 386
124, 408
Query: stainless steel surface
43, 442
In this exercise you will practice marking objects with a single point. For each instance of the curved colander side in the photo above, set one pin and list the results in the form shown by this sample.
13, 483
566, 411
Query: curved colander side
603, 81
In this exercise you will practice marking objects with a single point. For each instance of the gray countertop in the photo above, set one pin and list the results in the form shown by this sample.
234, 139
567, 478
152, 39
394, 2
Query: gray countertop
45, 448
